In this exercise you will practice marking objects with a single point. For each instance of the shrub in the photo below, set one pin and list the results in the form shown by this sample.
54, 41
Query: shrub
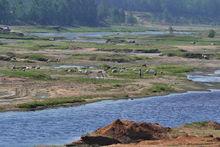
211, 33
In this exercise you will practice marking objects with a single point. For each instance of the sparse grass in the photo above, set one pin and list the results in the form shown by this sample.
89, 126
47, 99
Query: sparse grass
88, 80
186, 54
119, 58
33, 74
176, 70
16, 36
50, 102
38, 57
161, 88
36, 45
197, 124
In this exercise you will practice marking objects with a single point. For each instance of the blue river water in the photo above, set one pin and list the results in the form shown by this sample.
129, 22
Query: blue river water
64, 125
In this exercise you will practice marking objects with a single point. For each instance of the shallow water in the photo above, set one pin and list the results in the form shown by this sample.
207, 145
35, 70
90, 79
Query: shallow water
63, 125
205, 78
70, 66
94, 35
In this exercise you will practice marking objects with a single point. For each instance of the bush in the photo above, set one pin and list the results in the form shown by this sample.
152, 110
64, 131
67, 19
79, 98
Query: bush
160, 87
211, 33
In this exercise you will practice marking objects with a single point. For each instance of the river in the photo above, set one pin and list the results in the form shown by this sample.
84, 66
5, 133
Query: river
64, 125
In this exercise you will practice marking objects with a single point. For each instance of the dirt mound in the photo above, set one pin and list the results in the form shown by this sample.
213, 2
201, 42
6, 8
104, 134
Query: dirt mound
125, 132
130, 131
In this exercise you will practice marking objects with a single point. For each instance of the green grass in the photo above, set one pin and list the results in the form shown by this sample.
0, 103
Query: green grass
161, 88
16, 36
197, 124
38, 57
119, 58
33, 74
40, 44
175, 70
186, 54
50, 102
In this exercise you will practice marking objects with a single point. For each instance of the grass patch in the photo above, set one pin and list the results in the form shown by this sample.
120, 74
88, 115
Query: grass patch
38, 57
119, 58
197, 124
50, 102
161, 88
33, 74
175, 70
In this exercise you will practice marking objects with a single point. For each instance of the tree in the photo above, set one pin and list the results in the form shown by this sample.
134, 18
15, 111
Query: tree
103, 10
94, 12
211, 33
131, 19
5, 12
118, 16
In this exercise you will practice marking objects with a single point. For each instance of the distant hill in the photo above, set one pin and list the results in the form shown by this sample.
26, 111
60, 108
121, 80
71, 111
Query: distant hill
102, 12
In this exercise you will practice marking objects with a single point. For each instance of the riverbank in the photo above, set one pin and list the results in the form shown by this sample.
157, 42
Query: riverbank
123, 133
161, 90
172, 111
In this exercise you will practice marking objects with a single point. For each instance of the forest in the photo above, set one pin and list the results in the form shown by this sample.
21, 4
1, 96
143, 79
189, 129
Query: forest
106, 12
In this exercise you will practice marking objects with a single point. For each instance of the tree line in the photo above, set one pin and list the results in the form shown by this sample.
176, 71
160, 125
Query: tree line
102, 12
175, 11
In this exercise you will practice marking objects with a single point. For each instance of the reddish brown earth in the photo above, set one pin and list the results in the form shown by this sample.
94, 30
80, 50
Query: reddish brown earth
132, 134
129, 131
